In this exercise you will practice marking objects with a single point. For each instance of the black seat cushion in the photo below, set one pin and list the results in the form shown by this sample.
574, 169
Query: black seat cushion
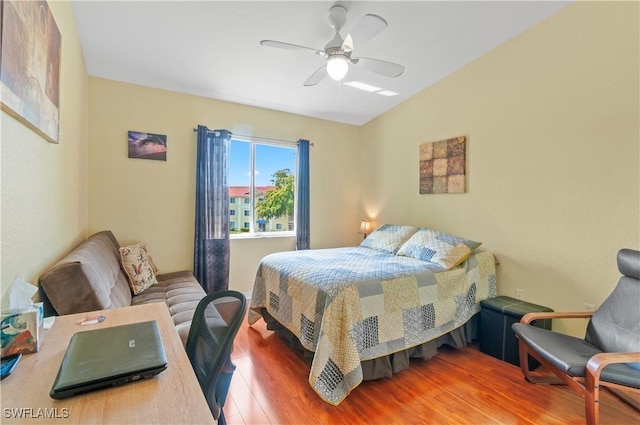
571, 354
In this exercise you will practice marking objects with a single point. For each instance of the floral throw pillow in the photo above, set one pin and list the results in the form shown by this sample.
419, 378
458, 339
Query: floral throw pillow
439, 248
138, 267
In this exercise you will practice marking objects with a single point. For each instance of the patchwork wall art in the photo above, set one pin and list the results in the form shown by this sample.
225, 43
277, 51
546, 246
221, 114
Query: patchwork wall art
30, 49
147, 146
442, 166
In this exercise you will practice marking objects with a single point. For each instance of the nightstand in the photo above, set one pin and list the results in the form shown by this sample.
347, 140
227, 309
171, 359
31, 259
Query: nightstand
496, 317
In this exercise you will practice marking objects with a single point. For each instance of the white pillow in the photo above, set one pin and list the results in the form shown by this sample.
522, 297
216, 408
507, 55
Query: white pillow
388, 238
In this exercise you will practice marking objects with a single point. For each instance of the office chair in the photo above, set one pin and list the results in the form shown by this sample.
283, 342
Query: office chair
215, 324
608, 355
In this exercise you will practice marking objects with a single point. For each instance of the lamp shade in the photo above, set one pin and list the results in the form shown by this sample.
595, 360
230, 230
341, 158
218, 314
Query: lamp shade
337, 67
365, 227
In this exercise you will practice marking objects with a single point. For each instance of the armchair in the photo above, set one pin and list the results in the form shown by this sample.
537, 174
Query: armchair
608, 355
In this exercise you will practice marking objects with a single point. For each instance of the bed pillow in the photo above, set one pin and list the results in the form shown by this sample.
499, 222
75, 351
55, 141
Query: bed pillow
138, 267
388, 238
439, 248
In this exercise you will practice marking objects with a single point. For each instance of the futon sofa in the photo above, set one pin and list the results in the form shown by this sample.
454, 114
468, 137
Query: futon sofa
90, 277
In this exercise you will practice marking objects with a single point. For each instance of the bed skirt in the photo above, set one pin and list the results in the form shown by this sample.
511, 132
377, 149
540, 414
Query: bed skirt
386, 366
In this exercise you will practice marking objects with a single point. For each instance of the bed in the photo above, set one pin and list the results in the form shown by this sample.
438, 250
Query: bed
396, 291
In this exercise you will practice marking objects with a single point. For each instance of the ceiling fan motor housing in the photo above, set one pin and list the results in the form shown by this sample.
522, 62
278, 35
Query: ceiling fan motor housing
337, 17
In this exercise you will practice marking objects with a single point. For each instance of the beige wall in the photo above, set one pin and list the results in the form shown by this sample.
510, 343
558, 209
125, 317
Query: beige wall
154, 201
552, 125
44, 185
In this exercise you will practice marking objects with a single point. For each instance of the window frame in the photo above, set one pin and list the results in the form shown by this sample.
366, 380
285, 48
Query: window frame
252, 233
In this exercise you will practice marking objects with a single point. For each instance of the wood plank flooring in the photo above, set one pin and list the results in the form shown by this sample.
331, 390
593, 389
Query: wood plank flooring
465, 386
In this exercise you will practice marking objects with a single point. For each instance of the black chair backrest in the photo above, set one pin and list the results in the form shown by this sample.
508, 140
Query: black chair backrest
615, 326
215, 324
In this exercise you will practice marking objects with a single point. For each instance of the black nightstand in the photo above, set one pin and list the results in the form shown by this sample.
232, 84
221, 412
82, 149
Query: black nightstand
496, 317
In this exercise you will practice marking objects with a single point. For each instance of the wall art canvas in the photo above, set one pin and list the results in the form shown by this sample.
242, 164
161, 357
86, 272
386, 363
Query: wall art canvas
30, 66
147, 145
442, 166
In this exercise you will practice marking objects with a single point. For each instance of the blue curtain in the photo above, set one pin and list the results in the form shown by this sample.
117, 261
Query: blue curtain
302, 198
211, 245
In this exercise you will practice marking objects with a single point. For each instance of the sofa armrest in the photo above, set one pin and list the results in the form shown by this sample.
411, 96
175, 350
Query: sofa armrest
87, 278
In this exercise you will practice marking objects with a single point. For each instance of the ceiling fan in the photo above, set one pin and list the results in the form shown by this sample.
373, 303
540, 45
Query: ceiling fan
337, 52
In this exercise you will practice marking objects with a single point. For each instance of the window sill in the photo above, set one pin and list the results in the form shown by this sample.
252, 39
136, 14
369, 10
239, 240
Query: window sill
265, 235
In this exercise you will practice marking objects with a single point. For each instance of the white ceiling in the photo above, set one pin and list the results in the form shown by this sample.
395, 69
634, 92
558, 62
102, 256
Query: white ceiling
211, 48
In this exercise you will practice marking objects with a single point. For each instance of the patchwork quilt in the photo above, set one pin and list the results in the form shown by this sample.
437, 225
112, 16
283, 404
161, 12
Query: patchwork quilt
353, 304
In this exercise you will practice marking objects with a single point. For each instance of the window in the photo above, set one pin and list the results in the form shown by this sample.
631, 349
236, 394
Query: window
232, 200
232, 212
264, 173
232, 225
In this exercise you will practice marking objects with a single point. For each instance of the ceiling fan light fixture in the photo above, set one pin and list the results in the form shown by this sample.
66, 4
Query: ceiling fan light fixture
337, 67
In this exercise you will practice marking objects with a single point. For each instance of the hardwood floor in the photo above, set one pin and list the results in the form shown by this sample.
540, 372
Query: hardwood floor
465, 386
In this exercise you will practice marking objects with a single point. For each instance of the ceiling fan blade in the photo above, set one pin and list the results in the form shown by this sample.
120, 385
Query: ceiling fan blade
388, 69
368, 27
347, 44
288, 46
316, 77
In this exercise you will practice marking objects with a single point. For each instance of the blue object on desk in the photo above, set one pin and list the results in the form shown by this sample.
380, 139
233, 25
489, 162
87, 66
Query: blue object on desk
9, 363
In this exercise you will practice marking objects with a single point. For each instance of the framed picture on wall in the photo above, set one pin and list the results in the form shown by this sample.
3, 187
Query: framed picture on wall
147, 145
443, 166
30, 66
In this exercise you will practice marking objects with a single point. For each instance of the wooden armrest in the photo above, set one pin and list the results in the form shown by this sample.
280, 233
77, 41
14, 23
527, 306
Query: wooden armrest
530, 317
601, 360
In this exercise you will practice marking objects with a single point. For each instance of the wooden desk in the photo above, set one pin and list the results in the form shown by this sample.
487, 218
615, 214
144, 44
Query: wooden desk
172, 397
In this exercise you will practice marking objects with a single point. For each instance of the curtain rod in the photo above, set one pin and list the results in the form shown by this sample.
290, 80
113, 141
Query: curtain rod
259, 138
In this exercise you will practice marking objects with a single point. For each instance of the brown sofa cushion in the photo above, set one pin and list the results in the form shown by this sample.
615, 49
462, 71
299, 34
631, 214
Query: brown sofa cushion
181, 292
88, 278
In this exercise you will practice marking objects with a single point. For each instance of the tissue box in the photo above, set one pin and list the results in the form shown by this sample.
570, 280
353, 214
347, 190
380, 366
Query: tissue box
22, 330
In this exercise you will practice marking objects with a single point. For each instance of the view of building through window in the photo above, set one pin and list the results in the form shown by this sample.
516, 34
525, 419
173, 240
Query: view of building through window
261, 186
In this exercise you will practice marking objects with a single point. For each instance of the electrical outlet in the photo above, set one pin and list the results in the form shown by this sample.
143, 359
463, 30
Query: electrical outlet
589, 307
520, 294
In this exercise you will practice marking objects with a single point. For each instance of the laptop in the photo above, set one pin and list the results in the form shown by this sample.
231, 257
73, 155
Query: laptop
107, 357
